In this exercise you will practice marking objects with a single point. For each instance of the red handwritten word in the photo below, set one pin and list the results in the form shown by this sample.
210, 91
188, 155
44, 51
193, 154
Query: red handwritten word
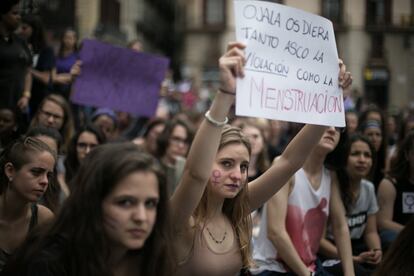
292, 99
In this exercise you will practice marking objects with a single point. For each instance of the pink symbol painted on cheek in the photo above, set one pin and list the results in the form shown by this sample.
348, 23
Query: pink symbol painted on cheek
215, 177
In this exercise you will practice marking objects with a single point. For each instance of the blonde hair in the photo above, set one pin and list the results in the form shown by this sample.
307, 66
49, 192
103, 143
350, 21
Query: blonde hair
237, 209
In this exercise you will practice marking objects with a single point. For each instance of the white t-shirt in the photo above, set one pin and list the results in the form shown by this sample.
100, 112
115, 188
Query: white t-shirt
306, 216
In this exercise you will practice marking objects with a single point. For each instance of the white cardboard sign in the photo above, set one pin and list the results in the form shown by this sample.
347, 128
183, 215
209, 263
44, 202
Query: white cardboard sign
291, 70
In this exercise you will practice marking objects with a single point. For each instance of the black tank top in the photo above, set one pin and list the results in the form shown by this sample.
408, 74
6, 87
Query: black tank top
33, 219
4, 255
404, 202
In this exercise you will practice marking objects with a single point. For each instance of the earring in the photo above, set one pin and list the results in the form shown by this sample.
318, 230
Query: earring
10, 179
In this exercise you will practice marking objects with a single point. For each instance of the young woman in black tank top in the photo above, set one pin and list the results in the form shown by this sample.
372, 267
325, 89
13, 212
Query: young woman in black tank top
26, 166
396, 192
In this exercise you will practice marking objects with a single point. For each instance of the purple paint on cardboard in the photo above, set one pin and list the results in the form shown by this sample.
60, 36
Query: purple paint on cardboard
119, 78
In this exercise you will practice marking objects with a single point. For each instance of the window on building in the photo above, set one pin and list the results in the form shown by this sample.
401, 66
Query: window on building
110, 11
378, 12
332, 9
56, 15
214, 13
377, 45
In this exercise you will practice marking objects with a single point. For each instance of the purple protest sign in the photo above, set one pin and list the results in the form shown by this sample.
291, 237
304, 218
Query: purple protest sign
119, 78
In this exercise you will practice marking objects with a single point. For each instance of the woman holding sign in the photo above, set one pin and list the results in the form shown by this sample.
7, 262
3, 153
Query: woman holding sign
213, 201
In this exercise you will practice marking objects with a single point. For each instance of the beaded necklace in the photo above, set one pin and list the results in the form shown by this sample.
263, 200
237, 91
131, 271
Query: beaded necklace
214, 239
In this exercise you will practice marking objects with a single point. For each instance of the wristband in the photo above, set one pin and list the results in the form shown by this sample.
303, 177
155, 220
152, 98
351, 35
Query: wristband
215, 122
27, 94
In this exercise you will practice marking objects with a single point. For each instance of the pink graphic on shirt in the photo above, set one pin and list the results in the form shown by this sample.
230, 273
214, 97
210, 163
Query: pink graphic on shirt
306, 230
215, 177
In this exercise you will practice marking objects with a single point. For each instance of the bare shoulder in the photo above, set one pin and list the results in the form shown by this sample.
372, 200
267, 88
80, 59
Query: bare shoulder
386, 187
386, 184
334, 180
44, 214
386, 190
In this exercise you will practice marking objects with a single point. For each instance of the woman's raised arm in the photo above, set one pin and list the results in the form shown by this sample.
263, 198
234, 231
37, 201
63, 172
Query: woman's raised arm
204, 148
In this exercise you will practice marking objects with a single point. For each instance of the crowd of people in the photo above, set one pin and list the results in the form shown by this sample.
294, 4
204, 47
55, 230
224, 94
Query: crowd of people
93, 191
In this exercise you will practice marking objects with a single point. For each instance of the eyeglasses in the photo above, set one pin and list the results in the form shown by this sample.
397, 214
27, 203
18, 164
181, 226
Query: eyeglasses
178, 140
84, 146
50, 114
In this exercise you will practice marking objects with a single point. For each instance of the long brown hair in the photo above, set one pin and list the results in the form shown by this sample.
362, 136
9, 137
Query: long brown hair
76, 241
237, 209
398, 260
348, 198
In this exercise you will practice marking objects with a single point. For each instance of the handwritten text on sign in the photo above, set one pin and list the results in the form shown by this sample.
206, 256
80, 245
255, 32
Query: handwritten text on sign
291, 65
